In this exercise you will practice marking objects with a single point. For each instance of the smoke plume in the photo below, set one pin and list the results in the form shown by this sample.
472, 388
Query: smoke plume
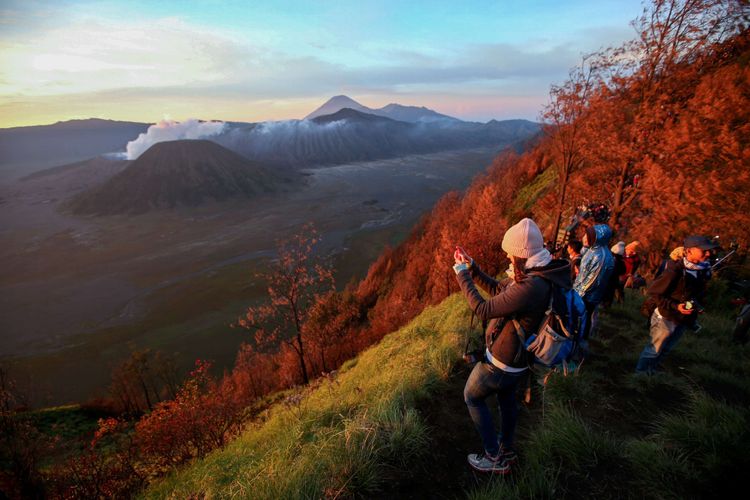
168, 130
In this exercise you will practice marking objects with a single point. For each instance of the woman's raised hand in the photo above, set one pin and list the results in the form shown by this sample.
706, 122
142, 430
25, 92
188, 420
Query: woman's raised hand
460, 256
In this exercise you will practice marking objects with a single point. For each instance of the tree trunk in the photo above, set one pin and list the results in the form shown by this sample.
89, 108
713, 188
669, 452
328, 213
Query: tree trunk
561, 203
617, 205
301, 350
145, 392
301, 355
323, 359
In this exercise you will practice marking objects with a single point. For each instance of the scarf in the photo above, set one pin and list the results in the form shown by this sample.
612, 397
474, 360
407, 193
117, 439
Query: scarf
695, 267
539, 259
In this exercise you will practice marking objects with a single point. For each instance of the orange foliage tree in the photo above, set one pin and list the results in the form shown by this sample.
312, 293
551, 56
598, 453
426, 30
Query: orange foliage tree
656, 128
661, 129
142, 380
205, 413
329, 328
564, 116
296, 281
106, 467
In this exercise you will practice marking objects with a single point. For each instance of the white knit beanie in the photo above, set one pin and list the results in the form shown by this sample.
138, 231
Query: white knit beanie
523, 240
618, 248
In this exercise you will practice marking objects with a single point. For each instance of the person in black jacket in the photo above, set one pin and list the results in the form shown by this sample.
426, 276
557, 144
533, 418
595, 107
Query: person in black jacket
523, 297
677, 293
574, 253
615, 291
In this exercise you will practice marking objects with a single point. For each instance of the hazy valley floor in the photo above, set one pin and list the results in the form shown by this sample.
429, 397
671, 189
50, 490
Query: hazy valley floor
78, 293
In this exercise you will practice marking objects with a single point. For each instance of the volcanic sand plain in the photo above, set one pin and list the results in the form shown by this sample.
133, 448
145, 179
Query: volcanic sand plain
77, 294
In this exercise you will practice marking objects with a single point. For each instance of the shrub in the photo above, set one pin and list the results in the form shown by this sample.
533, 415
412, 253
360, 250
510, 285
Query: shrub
106, 467
203, 416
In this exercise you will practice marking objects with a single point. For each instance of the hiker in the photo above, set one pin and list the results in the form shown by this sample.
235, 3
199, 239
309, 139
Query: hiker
618, 248
597, 265
676, 296
632, 263
524, 296
574, 256
615, 291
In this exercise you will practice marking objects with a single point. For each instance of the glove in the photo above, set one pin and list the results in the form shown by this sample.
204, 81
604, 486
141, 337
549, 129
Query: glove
461, 266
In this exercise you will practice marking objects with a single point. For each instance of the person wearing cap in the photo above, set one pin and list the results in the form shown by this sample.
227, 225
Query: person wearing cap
677, 294
524, 296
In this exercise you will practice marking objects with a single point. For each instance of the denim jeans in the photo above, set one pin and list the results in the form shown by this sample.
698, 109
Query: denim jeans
484, 381
592, 318
664, 337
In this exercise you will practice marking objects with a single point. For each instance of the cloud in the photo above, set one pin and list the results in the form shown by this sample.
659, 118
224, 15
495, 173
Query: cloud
169, 53
141, 69
167, 130
98, 55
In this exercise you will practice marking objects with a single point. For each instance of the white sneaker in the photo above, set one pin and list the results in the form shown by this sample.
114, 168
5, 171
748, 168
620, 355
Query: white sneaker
486, 463
507, 454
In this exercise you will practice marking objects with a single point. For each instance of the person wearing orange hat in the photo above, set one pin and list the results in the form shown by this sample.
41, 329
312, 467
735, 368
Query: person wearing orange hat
632, 263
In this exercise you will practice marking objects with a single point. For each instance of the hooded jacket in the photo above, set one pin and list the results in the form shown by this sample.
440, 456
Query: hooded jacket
526, 301
596, 268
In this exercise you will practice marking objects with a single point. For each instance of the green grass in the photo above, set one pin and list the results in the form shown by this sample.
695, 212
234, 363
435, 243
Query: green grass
609, 433
530, 193
67, 422
656, 471
604, 432
342, 437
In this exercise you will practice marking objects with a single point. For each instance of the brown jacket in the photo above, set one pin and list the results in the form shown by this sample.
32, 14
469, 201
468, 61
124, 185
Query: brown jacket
525, 301
676, 285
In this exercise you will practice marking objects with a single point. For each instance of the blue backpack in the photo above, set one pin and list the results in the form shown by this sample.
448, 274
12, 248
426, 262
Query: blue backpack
560, 330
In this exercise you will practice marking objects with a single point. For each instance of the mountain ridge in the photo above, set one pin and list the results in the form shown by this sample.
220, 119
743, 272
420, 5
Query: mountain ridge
362, 136
351, 114
30, 148
394, 111
177, 173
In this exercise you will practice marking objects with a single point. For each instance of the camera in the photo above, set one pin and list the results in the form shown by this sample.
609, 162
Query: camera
692, 305
472, 354
472, 357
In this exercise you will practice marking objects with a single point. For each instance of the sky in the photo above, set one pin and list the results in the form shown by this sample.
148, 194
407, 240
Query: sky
273, 60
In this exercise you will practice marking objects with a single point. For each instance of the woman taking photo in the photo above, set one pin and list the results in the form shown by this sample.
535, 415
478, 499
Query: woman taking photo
523, 297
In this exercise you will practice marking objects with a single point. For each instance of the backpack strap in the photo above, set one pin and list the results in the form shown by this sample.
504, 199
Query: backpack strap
551, 298
521, 333
496, 332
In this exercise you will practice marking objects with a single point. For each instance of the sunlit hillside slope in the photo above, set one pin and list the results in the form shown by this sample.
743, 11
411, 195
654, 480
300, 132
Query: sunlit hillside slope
391, 423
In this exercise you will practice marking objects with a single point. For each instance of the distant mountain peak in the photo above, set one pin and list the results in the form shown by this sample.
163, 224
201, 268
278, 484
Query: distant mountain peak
394, 111
412, 114
343, 97
336, 104
178, 173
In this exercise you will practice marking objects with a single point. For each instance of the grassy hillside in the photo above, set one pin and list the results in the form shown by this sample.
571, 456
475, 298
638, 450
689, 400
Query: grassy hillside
392, 423
348, 435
